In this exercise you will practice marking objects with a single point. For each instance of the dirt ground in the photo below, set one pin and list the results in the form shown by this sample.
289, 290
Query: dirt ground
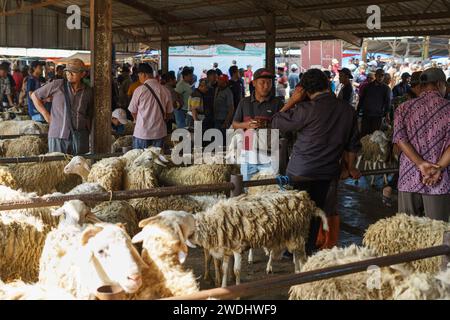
359, 206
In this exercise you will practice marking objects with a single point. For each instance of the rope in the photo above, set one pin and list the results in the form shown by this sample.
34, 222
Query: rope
282, 182
110, 195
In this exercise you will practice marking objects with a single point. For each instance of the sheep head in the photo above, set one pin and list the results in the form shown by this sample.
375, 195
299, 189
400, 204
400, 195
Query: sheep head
113, 256
78, 165
75, 213
174, 226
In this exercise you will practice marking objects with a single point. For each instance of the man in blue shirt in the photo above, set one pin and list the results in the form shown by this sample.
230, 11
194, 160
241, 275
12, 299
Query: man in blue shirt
34, 83
403, 87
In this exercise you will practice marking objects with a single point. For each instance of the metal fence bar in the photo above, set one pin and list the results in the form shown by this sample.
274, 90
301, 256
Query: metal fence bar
260, 286
45, 158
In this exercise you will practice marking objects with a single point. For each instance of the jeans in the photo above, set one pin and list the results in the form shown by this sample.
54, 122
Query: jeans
180, 118
249, 170
38, 117
144, 144
75, 145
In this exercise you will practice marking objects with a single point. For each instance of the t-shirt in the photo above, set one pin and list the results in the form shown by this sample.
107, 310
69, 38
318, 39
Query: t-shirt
346, 93
293, 79
32, 85
223, 101
196, 103
248, 74
185, 90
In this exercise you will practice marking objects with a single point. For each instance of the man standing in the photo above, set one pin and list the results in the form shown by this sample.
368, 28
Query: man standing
59, 72
184, 88
293, 79
70, 118
208, 99
5, 85
326, 128
248, 76
421, 130
256, 112
150, 106
374, 103
235, 85
34, 83
403, 87
346, 91
223, 106
216, 67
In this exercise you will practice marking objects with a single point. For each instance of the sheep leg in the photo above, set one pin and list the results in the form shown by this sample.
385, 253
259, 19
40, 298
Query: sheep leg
225, 265
237, 267
299, 257
358, 162
218, 273
207, 257
385, 175
269, 263
250, 256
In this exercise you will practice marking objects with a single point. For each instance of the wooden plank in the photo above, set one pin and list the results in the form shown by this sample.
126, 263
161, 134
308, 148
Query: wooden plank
165, 48
101, 73
27, 8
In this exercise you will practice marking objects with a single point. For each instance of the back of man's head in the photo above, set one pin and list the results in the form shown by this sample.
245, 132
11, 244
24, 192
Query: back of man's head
232, 70
186, 72
145, 68
313, 81
211, 72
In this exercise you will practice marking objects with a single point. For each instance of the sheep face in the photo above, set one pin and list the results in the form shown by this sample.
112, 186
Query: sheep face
78, 165
110, 249
76, 212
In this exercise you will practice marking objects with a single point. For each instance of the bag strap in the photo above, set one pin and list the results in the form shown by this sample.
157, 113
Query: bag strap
68, 106
157, 99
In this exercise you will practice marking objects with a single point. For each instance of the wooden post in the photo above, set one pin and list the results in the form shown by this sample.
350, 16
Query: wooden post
364, 50
101, 73
446, 258
426, 48
270, 42
283, 155
165, 48
238, 187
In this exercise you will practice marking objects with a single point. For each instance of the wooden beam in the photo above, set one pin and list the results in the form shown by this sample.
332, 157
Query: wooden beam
270, 44
162, 17
23, 9
101, 72
165, 48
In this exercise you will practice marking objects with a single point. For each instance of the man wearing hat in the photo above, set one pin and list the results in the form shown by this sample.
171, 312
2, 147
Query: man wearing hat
254, 112
70, 118
6, 89
346, 90
421, 131
119, 120
223, 105
293, 79
403, 87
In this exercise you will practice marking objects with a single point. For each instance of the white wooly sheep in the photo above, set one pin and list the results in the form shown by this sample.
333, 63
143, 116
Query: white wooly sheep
121, 142
374, 152
12, 127
80, 259
42, 178
25, 146
19, 290
118, 212
164, 251
402, 233
271, 220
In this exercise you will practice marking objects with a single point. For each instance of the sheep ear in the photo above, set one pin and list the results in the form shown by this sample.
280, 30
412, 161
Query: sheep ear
145, 222
182, 256
89, 233
58, 212
139, 237
86, 165
190, 244
122, 226
92, 218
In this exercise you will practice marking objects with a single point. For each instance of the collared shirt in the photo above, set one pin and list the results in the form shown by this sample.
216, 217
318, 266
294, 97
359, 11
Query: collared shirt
249, 108
326, 127
5, 88
346, 93
150, 121
33, 84
424, 123
375, 99
81, 106
185, 89
223, 101
400, 89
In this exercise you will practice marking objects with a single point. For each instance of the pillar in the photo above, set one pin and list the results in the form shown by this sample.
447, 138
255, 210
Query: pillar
165, 48
364, 50
426, 48
270, 41
101, 73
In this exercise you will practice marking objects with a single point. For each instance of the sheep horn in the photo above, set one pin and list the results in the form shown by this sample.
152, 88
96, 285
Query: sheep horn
190, 244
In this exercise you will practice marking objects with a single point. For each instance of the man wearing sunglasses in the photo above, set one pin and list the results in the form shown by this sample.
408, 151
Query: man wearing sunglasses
70, 118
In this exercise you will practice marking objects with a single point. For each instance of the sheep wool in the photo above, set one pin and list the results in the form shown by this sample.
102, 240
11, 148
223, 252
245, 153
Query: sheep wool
141, 177
149, 207
121, 142
370, 150
13, 127
118, 212
132, 155
356, 286
261, 189
22, 238
42, 178
18, 290
24, 146
108, 173
402, 233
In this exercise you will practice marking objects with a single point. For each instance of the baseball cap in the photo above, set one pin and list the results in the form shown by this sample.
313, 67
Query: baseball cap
223, 77
75, 65
121, 115
263, 73
347, 72
432, 75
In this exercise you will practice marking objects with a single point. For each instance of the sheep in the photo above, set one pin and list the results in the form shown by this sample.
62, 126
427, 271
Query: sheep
42, 178
142, 172
121, 142
164, 251
107, 172
24, 146
80, 259
18, 290
12, 127
402, 233
118, 212
260, 189
271, 220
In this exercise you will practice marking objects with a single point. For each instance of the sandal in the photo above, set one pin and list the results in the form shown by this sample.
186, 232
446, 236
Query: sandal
387, 201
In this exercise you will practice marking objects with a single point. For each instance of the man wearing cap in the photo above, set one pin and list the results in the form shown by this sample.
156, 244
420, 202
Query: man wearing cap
119, 120
422, 132
34, 83
70, 118
346, 90
374, 103
254, 112
150, 106
223, 105
184, 87
293, 79
403, 87
5, 86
